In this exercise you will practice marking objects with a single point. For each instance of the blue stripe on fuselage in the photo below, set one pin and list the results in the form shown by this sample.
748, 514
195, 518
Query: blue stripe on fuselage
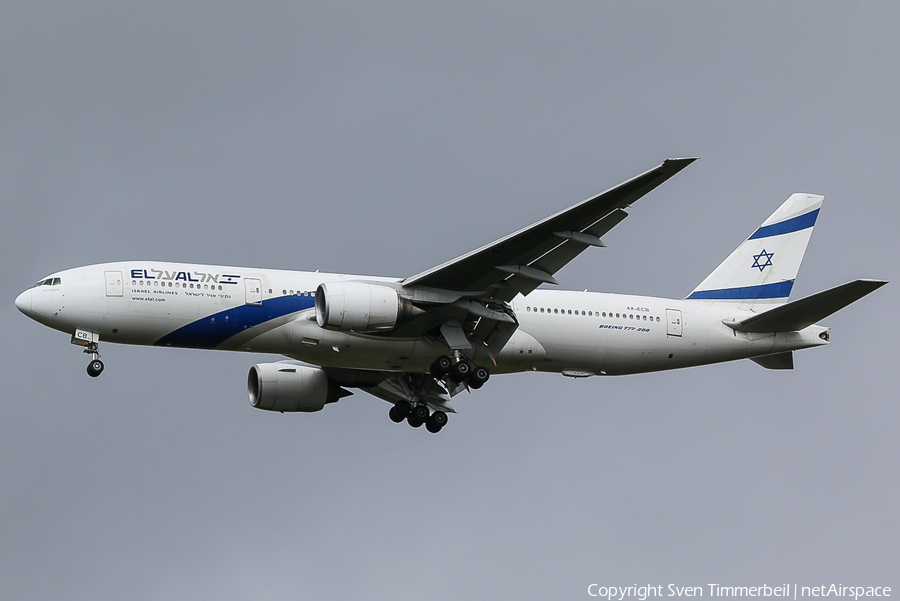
774, 290
213, 330
801, 222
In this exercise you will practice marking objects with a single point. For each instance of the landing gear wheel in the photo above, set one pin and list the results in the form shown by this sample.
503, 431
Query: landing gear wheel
95, 368
420, 412
395, 415
441, 366
437, 421
478, 377
460, 371
417, 415
402, 409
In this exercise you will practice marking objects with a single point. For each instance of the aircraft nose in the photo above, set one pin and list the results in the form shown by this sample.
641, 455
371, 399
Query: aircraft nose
23, 302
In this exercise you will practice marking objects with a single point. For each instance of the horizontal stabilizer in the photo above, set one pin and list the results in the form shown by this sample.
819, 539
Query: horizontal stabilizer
804, 312
776, 361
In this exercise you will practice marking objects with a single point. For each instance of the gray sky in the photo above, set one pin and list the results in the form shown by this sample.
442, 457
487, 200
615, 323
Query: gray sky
387, 138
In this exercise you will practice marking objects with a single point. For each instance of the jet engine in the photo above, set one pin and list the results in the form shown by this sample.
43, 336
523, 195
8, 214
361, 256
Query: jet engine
360, 307
288, 386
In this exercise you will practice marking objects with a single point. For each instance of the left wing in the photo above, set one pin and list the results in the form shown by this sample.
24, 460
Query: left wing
520, 262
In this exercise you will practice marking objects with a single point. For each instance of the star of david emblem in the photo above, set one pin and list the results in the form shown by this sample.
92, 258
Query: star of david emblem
762, 260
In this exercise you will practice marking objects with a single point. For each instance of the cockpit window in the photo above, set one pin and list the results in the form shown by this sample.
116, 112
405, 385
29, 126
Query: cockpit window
48, 282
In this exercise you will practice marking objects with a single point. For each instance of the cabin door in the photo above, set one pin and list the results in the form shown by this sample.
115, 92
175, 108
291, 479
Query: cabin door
673, 322
253, 289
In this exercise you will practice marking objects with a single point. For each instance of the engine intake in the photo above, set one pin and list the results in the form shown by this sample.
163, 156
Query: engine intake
360, 307
287, 386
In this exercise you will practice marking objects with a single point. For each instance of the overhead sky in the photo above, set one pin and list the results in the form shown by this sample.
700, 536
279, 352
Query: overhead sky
384, 139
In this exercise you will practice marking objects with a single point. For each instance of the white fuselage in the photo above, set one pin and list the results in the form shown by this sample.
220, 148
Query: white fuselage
272, 311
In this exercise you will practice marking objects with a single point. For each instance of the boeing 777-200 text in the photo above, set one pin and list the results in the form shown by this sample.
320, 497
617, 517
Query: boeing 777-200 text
418, 341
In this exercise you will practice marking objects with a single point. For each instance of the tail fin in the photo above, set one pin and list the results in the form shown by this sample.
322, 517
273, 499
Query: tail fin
761, 272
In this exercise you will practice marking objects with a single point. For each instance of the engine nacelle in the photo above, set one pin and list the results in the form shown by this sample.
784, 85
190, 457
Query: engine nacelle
360, 307
287, 386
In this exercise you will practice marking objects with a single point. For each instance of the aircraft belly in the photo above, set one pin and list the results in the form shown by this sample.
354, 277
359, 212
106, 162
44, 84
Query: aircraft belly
568, 344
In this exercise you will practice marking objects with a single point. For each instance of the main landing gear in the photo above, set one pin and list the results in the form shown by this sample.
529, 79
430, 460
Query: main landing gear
460, 371
418, 415
95, 367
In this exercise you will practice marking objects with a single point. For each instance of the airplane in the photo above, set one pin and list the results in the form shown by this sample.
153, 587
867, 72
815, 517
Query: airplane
419, 341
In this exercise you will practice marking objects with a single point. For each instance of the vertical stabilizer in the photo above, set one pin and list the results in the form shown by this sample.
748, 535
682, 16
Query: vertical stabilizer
761, 271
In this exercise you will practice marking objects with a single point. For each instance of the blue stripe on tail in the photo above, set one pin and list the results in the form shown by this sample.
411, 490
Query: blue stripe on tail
801, 222
774, 290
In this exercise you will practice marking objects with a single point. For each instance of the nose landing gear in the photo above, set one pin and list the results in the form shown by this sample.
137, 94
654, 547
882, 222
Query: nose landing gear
89, 340
95, 367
